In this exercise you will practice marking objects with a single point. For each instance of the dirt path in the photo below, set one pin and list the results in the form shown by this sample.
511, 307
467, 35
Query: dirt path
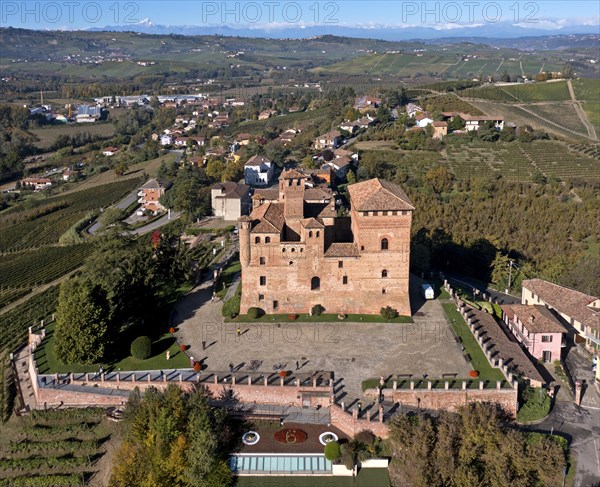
581, 113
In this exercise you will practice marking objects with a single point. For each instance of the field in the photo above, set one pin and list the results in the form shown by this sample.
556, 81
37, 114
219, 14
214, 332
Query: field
14, 323
519, 161
281, 122
28, 269
46, 136
562, 114
521, 93
62, 212
54, 447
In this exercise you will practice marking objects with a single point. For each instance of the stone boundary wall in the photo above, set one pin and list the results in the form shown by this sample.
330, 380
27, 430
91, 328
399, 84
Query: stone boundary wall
350, 423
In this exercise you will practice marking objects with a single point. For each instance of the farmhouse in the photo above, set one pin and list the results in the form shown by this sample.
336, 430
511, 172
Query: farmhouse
473, 122
536, 328
296, 253
230, 200
110, 151
36, 183
258, 171
440, 129
365, 103
340, 166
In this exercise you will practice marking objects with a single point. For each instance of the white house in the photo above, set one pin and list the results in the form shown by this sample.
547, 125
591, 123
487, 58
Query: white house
166, 139
258, 171
473, 122
423, 120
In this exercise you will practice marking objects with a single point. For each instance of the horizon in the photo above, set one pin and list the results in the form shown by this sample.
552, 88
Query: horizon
275, 18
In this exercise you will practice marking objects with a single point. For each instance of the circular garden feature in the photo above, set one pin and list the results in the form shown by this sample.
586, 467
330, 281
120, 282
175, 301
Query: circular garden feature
290, 436
250, 438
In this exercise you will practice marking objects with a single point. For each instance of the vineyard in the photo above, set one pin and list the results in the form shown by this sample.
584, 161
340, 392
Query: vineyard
32, 268
32, 232
14, 323
518, 162
53, 448
7, 296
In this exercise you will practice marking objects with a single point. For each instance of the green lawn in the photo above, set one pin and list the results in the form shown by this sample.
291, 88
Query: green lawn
367, 477
226, 277
479, 361
49, 364
306, 318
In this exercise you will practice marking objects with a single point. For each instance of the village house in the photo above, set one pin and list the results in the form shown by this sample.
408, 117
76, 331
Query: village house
330, 140
440, 129
70, 175
340, 166
230, 200
258, 171
150, 193
265, 114
577, 311
37, 184
296, 254
166, 139
412, 110
110, 151
423, 120
537, 329
473, 122
364, 103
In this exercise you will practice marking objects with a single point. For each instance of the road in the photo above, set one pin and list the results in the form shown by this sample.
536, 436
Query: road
581, 427
500, 296
159, 222
122, 205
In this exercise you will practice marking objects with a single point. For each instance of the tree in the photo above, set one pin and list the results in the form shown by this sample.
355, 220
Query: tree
439, 179
81, 322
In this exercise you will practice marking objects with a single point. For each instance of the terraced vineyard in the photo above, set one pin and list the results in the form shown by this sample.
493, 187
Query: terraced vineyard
555, 159
517, 162
53, 448
567, 116
28, 269
521, 93
479, 159
7, 296
47, 229
14, 323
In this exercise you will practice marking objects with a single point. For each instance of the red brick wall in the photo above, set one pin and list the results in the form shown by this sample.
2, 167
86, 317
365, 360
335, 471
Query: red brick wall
349, 425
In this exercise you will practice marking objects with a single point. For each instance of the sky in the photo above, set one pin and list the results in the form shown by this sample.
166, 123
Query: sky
82, 14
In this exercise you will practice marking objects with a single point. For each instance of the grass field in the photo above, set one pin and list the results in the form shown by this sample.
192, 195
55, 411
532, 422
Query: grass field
563, 114
47, 135
521, 93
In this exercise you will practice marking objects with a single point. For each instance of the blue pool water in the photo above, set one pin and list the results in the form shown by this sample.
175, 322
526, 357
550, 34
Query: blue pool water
292, 464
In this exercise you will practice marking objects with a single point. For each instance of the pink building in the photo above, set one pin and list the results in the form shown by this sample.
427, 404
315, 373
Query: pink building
536, 328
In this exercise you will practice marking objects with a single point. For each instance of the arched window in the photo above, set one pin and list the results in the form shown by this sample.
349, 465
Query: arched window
267, 239
383, 273
318, 233
256, 239
315, 284
384, 244
310, 234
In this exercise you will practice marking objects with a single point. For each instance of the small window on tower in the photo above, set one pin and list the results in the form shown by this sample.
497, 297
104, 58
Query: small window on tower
256, 239
345, 280
340, 264
267, 239
262, 261
263, 280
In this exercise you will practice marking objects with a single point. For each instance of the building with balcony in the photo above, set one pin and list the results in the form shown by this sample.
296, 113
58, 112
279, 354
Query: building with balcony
150, 194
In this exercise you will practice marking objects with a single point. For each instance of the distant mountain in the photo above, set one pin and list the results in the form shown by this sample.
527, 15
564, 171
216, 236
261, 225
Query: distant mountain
484, 33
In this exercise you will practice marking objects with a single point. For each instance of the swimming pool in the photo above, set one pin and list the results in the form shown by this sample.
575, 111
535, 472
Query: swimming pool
266, 464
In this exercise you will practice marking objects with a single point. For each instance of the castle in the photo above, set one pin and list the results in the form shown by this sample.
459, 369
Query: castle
295, 251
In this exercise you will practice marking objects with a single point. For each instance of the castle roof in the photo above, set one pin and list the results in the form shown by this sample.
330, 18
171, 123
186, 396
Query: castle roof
312, 223
271, 218
267, 194
342, 249
378, 194
292, 174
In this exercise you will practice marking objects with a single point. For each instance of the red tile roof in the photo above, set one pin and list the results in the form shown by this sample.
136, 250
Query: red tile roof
378, 194
536, 318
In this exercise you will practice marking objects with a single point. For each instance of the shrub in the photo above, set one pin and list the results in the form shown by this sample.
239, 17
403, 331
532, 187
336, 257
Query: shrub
474, 373
141, 348
197, 366
292, 317
317, 310
231, 307
172, 330
332, 451
255, 313
389, 313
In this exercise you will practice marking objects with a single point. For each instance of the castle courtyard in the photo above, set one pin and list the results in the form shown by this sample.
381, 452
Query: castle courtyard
352, 351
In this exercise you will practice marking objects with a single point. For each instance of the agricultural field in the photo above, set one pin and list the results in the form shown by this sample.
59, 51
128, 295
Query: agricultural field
517, 162
567, 116
521, 93
14, 323
448, 103
555, 160
27, 269
58, 214
46, 136
480, 159
520, 115
7, 296
54, 448
280, 122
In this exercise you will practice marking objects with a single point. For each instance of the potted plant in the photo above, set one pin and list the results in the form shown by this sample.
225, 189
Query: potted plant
197, 366
172, 329
474, 374
183, 348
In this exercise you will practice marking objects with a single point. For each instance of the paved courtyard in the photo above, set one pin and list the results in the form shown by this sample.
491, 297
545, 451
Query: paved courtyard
353, 351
